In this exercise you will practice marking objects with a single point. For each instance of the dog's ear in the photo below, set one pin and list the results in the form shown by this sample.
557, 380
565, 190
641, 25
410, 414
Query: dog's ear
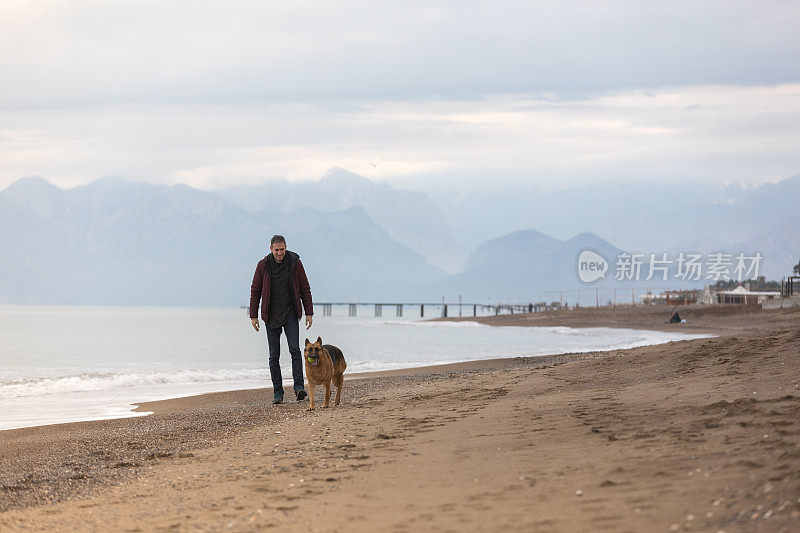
307, 343
319, 340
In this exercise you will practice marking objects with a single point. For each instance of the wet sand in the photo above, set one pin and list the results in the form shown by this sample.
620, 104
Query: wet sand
690, 435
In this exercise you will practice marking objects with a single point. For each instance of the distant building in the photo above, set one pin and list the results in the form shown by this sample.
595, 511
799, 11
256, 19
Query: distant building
742, 296
673, 297
707, 297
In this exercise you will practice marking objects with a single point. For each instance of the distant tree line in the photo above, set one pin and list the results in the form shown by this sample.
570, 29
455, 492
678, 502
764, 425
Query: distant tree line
758, 284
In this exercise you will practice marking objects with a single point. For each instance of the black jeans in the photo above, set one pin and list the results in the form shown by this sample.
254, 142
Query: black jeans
292, 330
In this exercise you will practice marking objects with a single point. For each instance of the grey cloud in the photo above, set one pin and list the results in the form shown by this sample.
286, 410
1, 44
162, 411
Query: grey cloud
86, 53
213, 93
701, 133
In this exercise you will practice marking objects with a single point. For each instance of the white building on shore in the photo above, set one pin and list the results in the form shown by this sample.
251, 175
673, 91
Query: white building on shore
743, 296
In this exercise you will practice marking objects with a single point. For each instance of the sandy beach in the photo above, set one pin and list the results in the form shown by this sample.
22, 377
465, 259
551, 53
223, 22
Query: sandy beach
691, 435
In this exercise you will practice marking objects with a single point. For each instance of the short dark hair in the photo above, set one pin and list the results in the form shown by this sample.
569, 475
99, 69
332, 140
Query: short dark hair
277, 238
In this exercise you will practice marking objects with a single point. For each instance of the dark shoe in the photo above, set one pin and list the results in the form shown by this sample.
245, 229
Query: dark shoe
277, 398
301, 394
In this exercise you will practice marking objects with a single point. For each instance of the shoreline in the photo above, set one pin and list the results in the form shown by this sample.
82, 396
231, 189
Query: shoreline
696, 434
621, 317
150, 405
178, 403
712, 319
441, 368
624, 317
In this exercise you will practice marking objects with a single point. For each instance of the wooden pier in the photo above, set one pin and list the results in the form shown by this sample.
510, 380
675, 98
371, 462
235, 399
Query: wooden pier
444, 308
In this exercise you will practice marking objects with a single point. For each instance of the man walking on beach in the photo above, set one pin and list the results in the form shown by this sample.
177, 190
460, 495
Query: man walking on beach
281, 285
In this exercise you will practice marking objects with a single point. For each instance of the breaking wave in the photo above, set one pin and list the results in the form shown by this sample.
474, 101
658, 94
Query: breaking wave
105, 381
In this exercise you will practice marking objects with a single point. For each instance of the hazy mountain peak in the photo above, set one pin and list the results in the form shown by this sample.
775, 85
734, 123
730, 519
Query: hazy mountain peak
512, 248
583, 235
409, 217
356, 211
30, 184
34, 194
340, 176
526, 236
587, 239
169, 240
110, 181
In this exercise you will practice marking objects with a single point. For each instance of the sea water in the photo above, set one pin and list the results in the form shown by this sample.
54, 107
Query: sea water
64, 364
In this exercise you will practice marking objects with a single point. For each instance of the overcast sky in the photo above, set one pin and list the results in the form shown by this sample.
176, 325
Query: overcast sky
221, 93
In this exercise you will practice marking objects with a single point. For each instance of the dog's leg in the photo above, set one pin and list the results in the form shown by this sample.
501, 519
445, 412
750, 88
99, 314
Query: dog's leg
338, 379
327, 394
311, 395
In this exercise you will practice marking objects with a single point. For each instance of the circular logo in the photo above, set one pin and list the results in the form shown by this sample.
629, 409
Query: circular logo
591, 266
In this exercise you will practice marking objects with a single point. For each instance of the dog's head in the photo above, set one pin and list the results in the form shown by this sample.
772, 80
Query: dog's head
313, 351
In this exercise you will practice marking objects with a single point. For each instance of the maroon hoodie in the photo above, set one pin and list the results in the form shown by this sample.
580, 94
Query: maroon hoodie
301, 290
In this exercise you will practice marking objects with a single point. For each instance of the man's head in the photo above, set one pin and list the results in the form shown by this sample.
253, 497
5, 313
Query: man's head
277, 245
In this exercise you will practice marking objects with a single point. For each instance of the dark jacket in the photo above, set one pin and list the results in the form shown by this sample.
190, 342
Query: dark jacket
301, 290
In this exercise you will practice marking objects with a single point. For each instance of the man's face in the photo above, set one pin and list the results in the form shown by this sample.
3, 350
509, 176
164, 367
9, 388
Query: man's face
278, 250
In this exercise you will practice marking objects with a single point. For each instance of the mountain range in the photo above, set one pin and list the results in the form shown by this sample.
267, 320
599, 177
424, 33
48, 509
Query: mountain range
409, 217
118, 242
647, 217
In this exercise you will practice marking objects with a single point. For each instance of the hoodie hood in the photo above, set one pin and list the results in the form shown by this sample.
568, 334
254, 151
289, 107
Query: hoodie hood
292, 258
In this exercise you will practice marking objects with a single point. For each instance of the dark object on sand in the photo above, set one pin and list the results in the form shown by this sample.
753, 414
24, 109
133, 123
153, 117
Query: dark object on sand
676, 318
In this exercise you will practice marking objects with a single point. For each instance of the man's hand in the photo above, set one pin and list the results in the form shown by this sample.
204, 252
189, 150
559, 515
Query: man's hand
309, 320
254, 321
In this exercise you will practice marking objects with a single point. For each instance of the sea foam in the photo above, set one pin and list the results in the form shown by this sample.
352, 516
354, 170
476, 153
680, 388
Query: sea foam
106, 381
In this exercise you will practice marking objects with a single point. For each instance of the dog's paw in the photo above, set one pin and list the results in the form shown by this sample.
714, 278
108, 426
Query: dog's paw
310, 409
325, 406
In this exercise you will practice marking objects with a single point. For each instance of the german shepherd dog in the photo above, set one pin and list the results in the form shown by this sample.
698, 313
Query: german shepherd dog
324, 362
